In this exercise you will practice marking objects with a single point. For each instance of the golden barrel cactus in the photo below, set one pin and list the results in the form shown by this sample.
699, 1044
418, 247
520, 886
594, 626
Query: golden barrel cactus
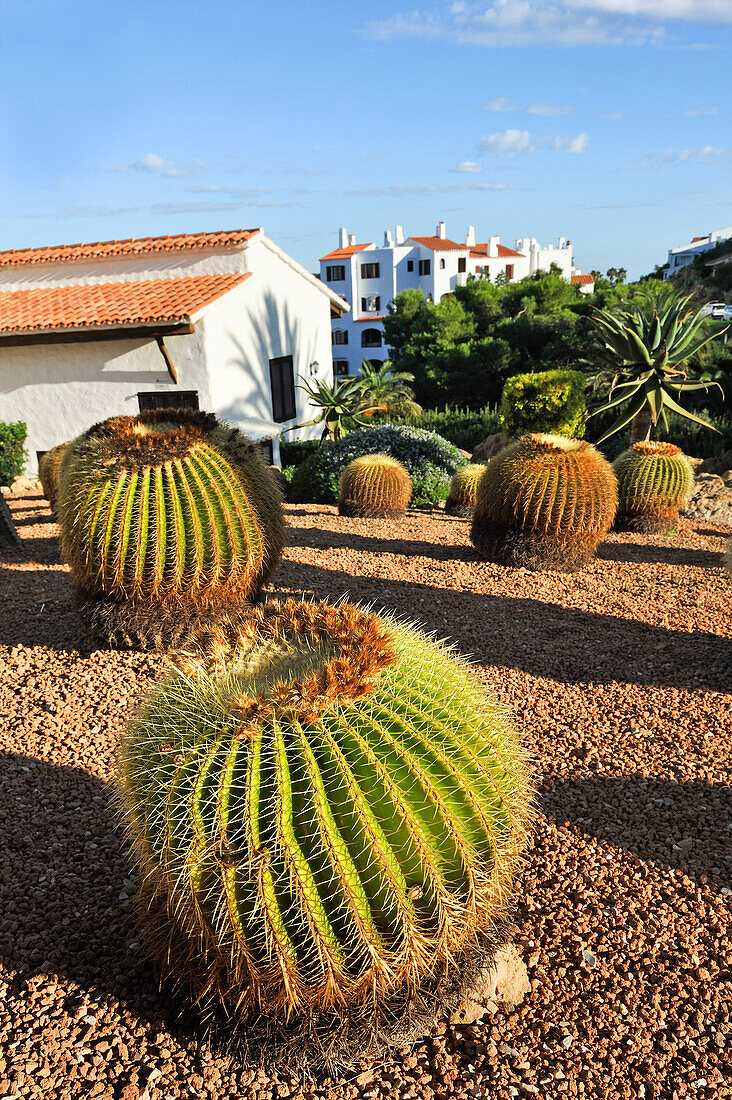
545, 502
654, 484
374, 485
49, 466
329, 813
166, 519
463, 489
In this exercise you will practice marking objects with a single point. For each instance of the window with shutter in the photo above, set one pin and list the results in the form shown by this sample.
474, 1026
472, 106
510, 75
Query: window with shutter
282, 383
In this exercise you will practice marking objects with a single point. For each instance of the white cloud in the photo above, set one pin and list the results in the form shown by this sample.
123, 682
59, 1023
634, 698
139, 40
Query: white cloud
432, 188
467, 166
579, 143
710, 154
548, 110
700, 111
508, 143
500, 104
613, 114
707, 154
552, 22
156, 165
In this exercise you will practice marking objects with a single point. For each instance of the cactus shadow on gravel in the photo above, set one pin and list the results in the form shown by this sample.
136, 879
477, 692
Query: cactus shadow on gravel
651, 553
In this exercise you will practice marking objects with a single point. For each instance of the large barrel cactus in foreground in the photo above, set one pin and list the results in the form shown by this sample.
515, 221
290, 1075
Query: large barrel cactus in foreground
654, 483
329, 813
49, 466
166, 519
374, 485
463, 489
544, 503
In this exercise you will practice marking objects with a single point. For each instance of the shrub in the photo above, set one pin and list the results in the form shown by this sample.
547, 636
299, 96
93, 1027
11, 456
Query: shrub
430, 460
165, 519
550, 401
295, 451
328, 812
12, 451
374, 485
544, 503
463, 427
463, 489
654, 483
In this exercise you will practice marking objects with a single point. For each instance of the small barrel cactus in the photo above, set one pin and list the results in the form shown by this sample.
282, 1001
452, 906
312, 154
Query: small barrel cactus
328, 812
545, 502
165, 519
49, 467
654, 483
463, 488
374, 485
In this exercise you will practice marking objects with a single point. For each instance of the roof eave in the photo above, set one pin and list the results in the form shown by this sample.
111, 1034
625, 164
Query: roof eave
90, 333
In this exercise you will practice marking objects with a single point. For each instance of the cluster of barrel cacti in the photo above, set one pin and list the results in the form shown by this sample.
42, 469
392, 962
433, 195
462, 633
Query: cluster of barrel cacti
329, 814
165, 519
374, 485
654, 483
544, 502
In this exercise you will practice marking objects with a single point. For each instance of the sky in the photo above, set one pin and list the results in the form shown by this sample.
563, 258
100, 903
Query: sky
605, 121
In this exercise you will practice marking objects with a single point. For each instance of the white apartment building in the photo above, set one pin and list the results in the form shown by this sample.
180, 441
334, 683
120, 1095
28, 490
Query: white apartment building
369, 277
686, 253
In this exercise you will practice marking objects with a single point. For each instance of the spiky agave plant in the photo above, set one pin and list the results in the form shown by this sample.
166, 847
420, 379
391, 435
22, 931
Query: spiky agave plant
374, 485
49, 467
545, 502
463, 489
166, 519
654, 483
328, 813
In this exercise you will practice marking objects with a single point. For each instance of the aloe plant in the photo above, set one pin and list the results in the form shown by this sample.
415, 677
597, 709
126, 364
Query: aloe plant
544, 502
374, 485
165, 517
644, 347
342, 405
328, 813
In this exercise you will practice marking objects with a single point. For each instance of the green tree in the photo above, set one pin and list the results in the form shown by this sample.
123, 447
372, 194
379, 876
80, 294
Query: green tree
386, 387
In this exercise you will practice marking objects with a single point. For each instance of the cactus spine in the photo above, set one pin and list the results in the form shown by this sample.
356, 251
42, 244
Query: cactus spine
374, 485
49, 467
654, 483
327, 810
463, 489
544, 503
165, 518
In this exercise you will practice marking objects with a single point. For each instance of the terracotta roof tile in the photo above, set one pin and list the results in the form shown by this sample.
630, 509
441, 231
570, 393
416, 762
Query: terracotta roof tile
372, 317
695, 239
132, 246
109, 305
438, 244
344, 253
480, 248
583, 280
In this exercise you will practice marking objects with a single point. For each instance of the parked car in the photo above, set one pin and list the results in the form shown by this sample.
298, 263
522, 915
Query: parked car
718, 311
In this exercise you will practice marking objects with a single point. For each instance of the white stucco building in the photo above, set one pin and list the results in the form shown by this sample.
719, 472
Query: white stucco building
227, 322
369, 277
684, 254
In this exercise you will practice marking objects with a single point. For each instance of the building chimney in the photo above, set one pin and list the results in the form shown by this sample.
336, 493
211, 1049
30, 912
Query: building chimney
388, 243
470, 237
352, 238
342, 237
440, 231
399, 234
493, 243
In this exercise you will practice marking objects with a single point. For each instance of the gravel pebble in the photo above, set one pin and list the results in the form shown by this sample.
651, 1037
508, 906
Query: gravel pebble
620, 676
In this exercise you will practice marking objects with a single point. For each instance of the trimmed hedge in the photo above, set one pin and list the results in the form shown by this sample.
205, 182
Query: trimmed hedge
12, 451
295, 451
466, 428
430, 460
548, 401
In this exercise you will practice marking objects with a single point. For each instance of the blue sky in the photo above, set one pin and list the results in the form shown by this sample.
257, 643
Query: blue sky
606, 121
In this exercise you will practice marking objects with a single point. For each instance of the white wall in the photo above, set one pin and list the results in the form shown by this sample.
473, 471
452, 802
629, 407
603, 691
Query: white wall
60, 390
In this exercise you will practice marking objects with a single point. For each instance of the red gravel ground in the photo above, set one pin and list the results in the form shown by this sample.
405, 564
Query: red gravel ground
620, 676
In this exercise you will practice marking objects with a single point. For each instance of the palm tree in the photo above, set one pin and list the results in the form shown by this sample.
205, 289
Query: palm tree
387, 387
644, 347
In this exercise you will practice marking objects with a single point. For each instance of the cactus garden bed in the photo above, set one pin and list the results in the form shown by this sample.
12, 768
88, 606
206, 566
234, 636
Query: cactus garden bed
621, 675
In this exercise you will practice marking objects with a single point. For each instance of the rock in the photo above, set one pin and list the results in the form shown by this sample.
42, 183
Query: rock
711, 497
718, 465
26, 485
491, 445
506, 982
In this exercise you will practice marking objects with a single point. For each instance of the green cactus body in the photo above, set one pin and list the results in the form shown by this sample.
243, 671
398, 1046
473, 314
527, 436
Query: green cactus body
545, 502
326, 808
654, 483
49, 467
374, 485
162, 516
463, 489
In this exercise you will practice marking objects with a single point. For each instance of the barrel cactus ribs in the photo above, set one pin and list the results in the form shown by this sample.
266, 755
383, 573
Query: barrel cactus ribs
165, 519
463, 489
545, 502
654, 484
329, 813
374, 485
49, 466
